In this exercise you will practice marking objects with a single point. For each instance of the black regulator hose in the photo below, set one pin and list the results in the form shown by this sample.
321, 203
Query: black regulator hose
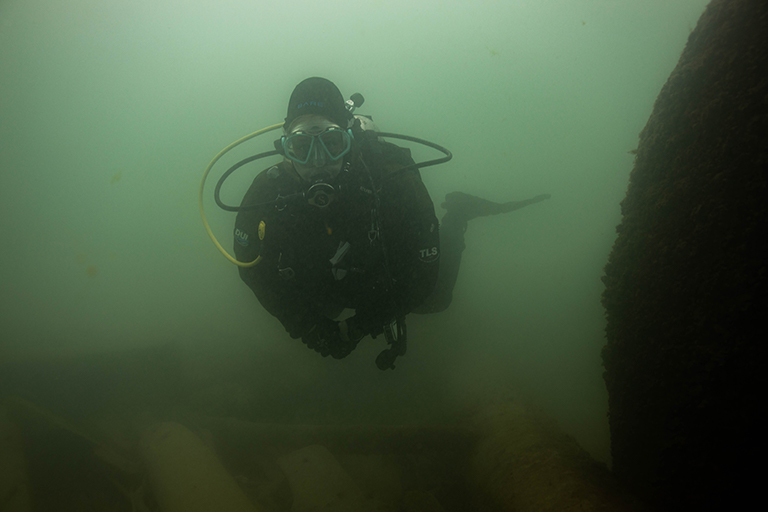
414, 166
428, 163
217, 190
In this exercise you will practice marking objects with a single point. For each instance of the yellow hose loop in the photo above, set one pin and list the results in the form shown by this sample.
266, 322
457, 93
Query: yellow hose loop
202, 186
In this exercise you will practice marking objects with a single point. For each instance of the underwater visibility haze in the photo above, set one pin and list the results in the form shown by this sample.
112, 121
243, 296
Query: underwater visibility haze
110, 111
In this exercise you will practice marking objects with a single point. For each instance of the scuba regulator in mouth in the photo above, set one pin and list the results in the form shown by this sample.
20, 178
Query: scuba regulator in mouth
320, 194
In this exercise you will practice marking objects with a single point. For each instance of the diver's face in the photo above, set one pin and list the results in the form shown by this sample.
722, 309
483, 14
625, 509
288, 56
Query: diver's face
319, 166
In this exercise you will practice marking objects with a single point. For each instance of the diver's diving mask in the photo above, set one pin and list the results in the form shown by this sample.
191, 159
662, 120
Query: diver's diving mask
316, 150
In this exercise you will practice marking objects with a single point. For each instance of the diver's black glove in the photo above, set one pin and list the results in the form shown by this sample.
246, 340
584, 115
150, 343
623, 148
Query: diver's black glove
353, 330
325, 339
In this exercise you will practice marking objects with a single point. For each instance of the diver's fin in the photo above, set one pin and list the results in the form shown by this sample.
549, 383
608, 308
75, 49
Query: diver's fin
467, 207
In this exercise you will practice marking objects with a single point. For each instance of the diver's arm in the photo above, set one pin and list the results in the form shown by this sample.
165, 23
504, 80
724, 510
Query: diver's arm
278, 296
420, 248
291, 307
413, 251
254, 237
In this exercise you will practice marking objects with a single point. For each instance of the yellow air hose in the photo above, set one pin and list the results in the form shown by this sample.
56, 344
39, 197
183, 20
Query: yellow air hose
202, 186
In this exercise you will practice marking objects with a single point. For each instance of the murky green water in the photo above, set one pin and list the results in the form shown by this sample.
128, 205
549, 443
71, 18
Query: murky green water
110, 110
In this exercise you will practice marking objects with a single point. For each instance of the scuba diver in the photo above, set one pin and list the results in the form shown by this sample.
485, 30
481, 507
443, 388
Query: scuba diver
345, 222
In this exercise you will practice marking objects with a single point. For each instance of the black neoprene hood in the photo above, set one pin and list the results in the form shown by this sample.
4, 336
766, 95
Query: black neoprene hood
320, 96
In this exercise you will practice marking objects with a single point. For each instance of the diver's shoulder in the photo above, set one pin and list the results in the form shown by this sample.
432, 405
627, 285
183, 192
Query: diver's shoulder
393, 153
393, 163
276, 177
273, 174
268, 184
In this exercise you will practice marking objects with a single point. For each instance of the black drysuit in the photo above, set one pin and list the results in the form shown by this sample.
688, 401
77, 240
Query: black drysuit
374, 252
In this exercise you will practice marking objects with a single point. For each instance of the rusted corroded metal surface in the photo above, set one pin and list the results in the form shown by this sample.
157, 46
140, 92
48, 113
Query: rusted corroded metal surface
186, 475
523, 463
686, 281
89, 455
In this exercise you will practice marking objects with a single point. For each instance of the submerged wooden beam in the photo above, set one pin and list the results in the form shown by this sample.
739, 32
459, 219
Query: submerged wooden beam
186, 475
395, 438
524, 462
